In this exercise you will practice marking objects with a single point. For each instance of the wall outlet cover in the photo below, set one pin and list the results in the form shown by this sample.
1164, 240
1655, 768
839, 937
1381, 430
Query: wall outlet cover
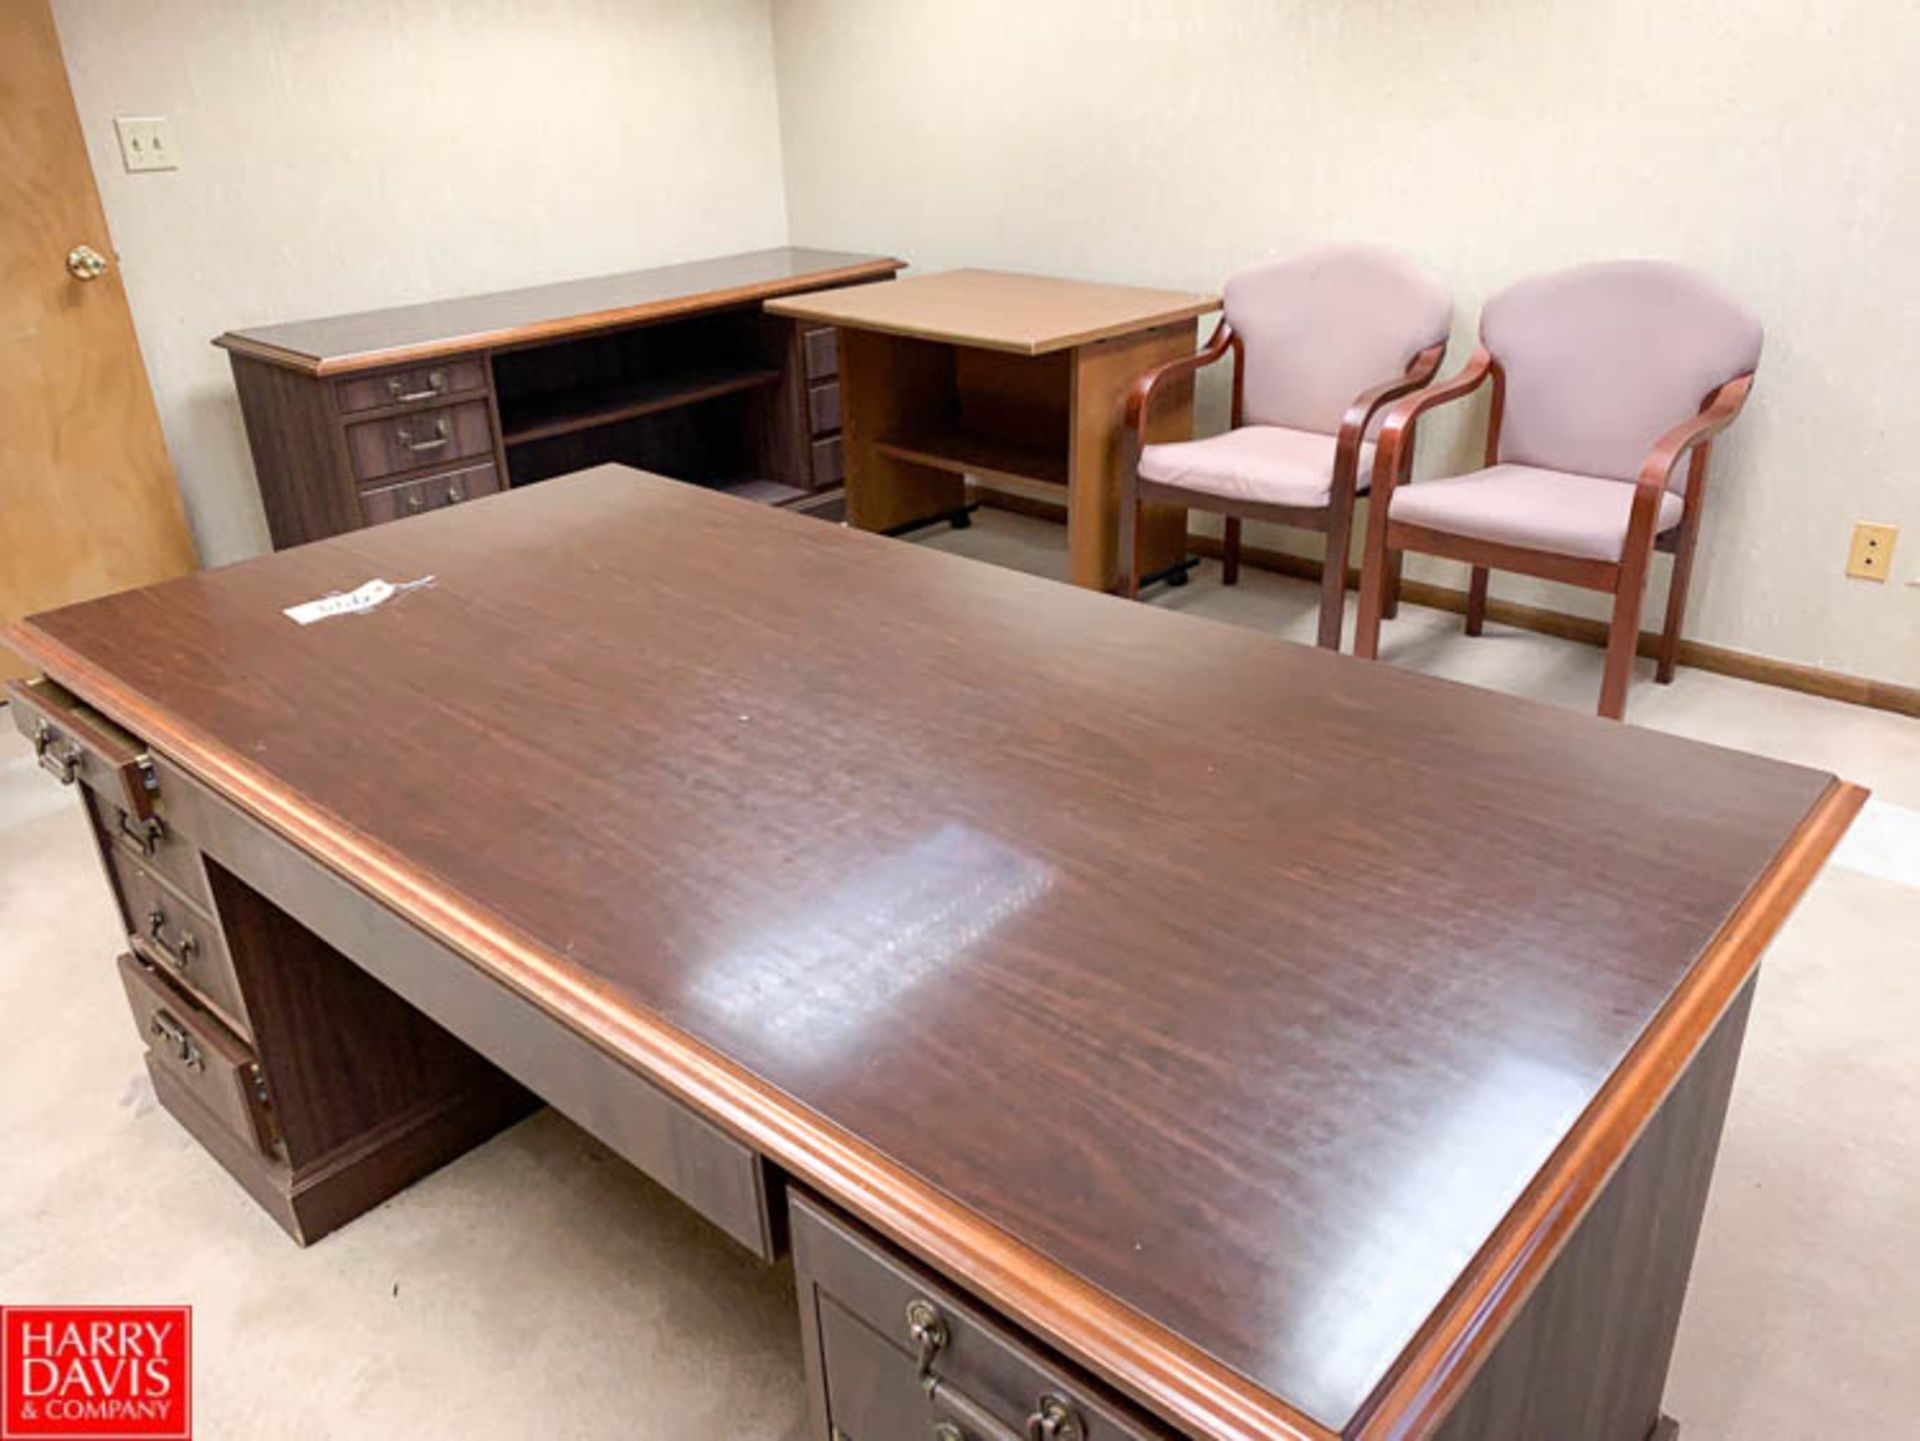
146, 142
1871, 555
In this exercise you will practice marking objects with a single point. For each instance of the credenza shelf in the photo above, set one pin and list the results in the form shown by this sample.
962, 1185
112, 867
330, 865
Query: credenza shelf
571, 412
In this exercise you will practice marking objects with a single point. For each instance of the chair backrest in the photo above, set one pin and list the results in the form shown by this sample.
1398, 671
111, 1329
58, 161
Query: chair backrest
1603, 359
1319, 327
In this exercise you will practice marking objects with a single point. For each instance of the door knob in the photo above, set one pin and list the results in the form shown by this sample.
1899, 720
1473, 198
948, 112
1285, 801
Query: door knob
86, 263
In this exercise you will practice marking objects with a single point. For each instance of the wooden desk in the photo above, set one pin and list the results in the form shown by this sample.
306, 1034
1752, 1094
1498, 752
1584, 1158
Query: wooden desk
1004, 377
363, 419
1331, 1051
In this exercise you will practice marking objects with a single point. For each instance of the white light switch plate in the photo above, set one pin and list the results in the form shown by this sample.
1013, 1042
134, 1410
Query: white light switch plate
146, 142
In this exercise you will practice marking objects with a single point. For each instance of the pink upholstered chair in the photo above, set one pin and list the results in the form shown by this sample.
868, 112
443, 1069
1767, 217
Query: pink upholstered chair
1598, 376
1321, 341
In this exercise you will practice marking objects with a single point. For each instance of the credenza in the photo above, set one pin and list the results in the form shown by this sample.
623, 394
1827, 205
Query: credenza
362, 419
1132, 1026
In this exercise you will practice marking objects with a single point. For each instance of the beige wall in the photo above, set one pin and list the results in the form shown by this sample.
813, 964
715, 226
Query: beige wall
1772, 144
341, 154
344, 154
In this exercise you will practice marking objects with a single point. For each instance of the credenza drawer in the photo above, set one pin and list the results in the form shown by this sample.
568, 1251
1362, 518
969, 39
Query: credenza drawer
155, 845
80, 746
894, 1353
179, 939
414, 385
823, 407
829, 461
193, 1049
823, 352
430, 492
419, 438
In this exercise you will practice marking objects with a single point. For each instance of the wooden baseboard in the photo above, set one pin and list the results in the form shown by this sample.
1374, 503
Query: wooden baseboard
1788, 675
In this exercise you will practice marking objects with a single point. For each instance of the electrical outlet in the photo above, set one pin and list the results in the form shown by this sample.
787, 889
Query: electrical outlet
146, 142
1871, 557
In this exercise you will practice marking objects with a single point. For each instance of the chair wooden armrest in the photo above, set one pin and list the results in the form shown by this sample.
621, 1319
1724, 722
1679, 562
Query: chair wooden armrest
1715, 416
1397, 426
1353, 425
1656, 472
1141, 396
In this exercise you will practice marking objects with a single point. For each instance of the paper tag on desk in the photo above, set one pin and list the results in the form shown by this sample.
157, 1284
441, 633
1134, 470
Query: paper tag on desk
374, 592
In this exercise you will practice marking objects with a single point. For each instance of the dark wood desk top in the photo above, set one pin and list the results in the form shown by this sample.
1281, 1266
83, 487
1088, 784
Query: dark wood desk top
1248, 1020
410, 333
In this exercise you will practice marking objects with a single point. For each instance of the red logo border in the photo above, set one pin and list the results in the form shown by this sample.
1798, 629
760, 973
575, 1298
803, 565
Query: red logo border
7, 1433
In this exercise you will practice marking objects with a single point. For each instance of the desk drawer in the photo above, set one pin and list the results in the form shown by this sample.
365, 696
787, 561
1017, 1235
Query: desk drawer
419, 438
155, 845
178, 939
823, 353
416, 385
192, 1048
829, 462
823, 407
859, 1303
79, 745
431, 492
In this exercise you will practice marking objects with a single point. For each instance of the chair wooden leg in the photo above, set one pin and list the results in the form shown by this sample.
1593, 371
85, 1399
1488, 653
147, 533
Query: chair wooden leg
1477, 600
1333, 575
1230, 553
1677, 584
1622, 641
1373, 594
1128, 548
1396, 561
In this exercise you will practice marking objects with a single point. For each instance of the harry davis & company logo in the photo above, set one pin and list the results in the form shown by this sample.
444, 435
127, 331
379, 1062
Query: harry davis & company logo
96, 1373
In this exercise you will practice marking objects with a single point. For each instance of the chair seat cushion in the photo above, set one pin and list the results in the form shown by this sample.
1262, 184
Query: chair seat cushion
1265, 464
1524, 505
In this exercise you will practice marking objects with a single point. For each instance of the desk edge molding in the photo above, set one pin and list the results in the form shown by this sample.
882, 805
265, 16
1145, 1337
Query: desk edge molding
558, 328
1433, 1372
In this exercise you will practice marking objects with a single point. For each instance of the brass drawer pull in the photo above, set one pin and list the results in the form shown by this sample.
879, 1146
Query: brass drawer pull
146, 835
436, 387
442, 435
455, 494
65, 768
927, 1329
185, 1049
1052, 1419
179, 955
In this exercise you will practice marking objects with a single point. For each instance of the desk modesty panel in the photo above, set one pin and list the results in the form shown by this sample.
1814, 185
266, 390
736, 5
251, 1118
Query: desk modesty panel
1245, 1025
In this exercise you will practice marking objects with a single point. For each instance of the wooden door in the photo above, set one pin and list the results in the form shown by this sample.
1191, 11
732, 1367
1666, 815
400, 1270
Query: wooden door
87, 499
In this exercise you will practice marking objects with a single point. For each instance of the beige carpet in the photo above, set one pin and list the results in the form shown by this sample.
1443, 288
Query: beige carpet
540, 1289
